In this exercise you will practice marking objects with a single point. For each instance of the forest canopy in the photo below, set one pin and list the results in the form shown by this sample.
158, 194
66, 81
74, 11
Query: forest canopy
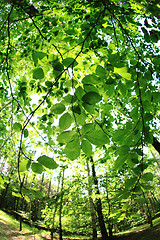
79, 86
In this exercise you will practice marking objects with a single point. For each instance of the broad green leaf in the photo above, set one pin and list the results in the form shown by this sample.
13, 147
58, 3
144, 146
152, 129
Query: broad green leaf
17, 127
65, 121
72, 150
67, 136
90, 79
24, 165
26, 133
123, 72
58, 66
97, 137
37, 194
147, 177
58, 108
69, 62
79, 93
76, 109
27, 199
125, 195
86, 147
38, 55
91, 98
88, 127
100, 71
47, 162
89, 108
129, 184
69, 98
37, 168
120, 161
38, 73
90, 88
15, 194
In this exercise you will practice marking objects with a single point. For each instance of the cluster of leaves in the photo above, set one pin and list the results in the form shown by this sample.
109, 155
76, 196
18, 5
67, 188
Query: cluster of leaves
79, 77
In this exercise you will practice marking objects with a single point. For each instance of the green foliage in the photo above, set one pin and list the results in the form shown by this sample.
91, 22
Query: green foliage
47, 162
81, 79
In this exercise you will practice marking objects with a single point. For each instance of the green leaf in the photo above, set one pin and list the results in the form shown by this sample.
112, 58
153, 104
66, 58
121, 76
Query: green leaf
86, 147
100, 71
15, 194
38, 73
37, 194
67, 136
123, 72
88, 127
26, 133
76, 109
147, 177
69, 62
97, 137
58, 108
90, 88
47, 162
72, 150
58, 66
17, 127
65, 121
91, 98
37, 168
90, 79
120, 161
129, 184
24, 165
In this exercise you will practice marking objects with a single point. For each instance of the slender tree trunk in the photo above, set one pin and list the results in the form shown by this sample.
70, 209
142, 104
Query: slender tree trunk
56, 206
148, 212
99, 204
93, 215
61, 205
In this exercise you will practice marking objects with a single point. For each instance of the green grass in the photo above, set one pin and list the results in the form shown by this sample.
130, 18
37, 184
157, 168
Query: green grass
139, 228
13, 223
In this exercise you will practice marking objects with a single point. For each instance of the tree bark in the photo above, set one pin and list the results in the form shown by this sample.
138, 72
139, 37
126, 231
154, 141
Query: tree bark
93, 215
61, 205
156, 144
99, 204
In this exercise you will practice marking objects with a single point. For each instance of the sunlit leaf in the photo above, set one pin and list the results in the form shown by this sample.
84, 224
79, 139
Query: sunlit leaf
67, 136
24, 165
47, 162
65, 121
97, 137
17, 127
86, 147
37, 168
58, 108
38, 73
69, 62
72, 149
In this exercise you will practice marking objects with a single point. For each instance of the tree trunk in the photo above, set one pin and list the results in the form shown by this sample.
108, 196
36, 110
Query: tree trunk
61, 205
56, 206
148, 212
93, 215
156, 144
99, 204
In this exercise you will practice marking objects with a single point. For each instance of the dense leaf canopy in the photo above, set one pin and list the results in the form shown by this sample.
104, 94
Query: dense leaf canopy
77, 77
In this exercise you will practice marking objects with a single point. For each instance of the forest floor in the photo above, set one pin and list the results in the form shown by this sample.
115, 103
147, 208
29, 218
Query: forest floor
9, 231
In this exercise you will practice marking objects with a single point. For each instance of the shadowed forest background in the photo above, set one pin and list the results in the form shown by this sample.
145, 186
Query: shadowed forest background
80, 114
